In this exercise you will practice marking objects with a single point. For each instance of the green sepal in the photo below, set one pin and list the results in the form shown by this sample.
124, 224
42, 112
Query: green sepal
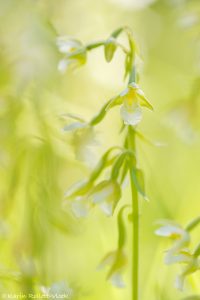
109, 49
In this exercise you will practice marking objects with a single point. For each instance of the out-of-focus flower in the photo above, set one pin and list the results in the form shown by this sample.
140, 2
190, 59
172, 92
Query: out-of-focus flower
179, 253
133, 4
132, 99
83, 139
77, 197
58, 289
179, 236
182, 119
192, 264
116, 261
84, 195
107, 194
75, 53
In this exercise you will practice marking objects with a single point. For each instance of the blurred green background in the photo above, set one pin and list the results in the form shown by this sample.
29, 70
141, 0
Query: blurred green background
40, 243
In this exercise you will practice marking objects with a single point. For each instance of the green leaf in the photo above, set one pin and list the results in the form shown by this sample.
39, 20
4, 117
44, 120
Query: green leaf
193, 224
197, 250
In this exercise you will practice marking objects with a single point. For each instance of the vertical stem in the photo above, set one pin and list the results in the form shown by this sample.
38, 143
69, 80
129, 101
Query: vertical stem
135, 206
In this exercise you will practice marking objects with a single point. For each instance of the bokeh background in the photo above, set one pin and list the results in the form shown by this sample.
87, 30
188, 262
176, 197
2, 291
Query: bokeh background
40, 244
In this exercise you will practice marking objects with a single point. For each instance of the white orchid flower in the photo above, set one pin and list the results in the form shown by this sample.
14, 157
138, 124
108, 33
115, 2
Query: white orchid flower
77, 198
83, 139
116, 261
106, 194
74, 53
191, 263
178, 235
132, 99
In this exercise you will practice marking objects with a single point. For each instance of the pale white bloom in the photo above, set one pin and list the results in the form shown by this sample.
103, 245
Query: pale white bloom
83, 140
106, 194
66, 44
133, 4
132, 99
179, 236
116, 262
73, 51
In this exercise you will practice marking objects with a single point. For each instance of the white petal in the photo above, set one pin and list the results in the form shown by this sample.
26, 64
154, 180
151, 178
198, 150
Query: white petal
66, 45
74, 126
107, 208
63, 65
102, 194
179, 283
117, 280
134, 85
170, 258
168, 230
131, 117
124, 92
79, 209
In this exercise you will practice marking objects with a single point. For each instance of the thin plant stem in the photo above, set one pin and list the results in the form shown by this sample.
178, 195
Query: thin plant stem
135, 206
131, 145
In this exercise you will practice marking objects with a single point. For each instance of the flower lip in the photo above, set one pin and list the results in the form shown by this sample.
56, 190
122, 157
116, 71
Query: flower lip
131, 115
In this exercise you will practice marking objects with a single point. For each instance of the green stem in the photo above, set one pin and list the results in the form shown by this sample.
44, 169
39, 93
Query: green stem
135, 206
95, 45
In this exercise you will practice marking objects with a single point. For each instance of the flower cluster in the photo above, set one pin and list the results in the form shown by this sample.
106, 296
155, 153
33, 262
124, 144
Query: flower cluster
179, 251
105, 193
103, 188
